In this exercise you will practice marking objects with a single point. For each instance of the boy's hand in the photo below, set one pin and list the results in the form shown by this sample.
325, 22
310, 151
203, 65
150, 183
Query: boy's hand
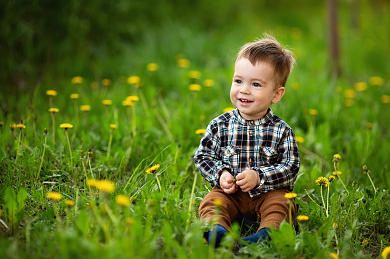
226, 182
247, 180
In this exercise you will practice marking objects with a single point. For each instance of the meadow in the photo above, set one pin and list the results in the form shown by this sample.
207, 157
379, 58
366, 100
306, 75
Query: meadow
97, 159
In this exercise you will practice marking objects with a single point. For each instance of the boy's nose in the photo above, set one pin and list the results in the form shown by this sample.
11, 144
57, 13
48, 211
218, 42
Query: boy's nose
245, 89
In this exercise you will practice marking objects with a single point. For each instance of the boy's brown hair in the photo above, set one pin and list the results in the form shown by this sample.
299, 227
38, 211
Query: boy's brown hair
269, 50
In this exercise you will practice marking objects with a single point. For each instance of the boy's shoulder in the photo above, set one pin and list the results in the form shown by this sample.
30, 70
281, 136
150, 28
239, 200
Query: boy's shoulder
225, 117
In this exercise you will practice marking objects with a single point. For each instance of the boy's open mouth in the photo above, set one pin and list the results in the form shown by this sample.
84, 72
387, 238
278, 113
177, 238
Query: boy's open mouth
245, 101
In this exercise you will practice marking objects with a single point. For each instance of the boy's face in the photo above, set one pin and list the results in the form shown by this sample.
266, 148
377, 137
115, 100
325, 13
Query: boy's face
254, 88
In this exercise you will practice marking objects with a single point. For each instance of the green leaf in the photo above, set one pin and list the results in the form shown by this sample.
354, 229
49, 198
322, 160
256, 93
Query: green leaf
21, 197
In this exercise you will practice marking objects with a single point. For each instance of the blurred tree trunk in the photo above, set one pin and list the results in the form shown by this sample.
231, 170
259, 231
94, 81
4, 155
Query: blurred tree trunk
334, 38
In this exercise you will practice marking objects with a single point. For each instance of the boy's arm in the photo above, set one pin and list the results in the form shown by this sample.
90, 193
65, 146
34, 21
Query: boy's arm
283, 173
208, 157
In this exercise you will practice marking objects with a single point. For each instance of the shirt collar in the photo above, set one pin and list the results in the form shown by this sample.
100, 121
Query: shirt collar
267, 117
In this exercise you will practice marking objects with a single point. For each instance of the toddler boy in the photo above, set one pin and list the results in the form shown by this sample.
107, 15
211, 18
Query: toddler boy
249, 155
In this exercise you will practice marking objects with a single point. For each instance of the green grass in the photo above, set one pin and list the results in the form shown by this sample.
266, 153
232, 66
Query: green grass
162, 220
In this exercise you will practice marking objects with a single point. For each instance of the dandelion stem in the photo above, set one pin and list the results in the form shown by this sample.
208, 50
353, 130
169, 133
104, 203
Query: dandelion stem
158, 182
323, 202
338, 177
373, 186
18, 148
70, 150
43, 155
327, 202
109, 145
190, 205
54, 129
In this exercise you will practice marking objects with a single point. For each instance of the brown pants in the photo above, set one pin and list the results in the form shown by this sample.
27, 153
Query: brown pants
272, 208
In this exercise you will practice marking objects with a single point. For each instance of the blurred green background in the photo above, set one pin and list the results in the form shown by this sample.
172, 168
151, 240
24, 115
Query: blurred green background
43, 40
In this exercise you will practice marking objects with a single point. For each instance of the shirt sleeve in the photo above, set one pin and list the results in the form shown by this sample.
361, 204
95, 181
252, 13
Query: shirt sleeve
208, 159
283, 172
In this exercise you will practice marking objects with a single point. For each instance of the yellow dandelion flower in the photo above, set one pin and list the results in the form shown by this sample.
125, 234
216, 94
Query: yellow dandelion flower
122, 200
290, 195
334, 256
66, 126
106, 82
377, 80
127, 103
361, 86
194, 74
337, 156
302, 218
54, 110
130, 221
152, 169
218, 202
105, 186
133, 80
12, 126
369, 125
152, 67
208, 82
85, 108
349, 93
336, 172
74, 96
54, 196
107, 102
200, 131
300, 139
385, 252
313, 112
364, 242
77, 80
182, 62
132, 98
20, 126
195, 87
1, 124
70, 203
335, 225
385, 98
331, 178
51, 93
92, 182
228, 109
322, 181
113, 126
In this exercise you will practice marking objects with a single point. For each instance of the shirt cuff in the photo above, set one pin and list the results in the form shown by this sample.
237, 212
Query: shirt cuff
262, 180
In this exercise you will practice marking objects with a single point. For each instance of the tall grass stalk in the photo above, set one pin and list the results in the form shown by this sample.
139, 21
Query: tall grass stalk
190, 202
42, 157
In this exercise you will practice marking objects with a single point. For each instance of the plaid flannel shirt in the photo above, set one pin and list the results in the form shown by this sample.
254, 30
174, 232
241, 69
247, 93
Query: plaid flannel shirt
266, 145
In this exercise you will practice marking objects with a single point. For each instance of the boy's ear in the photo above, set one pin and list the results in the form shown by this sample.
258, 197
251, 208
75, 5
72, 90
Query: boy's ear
278, 94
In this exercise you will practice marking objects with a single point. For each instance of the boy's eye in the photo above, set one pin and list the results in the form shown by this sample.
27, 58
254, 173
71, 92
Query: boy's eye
237, 81
256, 85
